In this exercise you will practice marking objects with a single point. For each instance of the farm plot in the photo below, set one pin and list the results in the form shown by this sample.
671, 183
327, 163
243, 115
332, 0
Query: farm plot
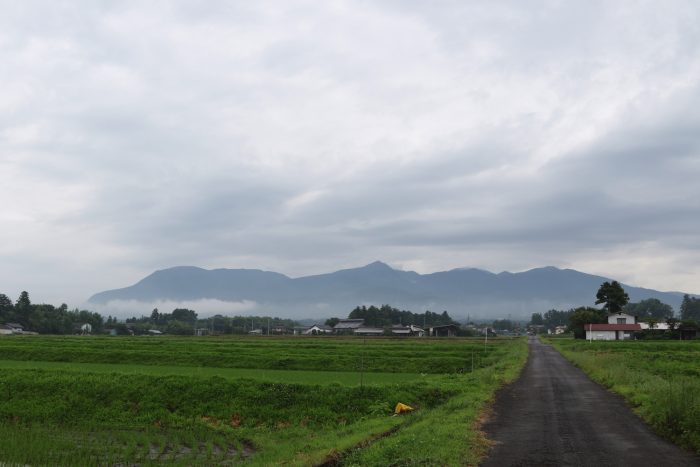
70, 401
661, 379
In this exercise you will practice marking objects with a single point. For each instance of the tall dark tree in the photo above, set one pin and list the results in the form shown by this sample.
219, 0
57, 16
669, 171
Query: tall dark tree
23, 308
536, 319
613, 296
690, 308
6, 308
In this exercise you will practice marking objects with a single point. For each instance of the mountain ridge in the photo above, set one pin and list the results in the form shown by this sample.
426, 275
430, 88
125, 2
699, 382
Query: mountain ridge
461, 291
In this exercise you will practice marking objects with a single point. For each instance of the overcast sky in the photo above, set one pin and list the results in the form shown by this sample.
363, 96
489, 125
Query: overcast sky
305, 137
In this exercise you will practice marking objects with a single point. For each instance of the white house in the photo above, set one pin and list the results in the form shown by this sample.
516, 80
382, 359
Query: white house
4, 329
620, 326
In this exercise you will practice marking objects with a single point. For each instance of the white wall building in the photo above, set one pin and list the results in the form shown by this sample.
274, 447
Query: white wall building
620, 326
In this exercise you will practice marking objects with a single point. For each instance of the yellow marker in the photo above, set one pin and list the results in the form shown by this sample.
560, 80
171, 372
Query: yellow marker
401, 408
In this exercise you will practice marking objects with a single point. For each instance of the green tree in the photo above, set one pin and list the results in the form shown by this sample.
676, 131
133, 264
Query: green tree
582, 316
23, 308
536, 319
6, 308
331, 322
155, 316
650, 308
613, 296
185, 315
690, 308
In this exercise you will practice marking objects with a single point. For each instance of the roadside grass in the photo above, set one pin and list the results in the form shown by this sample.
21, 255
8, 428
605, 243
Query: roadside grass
82, 413
661, 380
448, 435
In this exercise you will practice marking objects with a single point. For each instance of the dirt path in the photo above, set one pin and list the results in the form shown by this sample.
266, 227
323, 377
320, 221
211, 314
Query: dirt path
555, 415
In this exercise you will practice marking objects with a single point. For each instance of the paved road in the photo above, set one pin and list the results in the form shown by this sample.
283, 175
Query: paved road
555, 415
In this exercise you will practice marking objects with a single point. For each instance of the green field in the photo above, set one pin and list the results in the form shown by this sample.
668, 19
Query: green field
661, 379
260, 401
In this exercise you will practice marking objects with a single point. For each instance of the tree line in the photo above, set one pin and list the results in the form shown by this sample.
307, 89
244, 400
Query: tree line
47, 319
183, 321
386, 315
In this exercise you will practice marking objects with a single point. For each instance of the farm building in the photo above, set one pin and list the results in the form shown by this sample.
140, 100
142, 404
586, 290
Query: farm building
348, 326
443, 330
410, 330
620, 326
15, 327
5, 329
689, 331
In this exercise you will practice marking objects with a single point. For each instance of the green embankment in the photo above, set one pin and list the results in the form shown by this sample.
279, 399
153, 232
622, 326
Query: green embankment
102, 412
660, 379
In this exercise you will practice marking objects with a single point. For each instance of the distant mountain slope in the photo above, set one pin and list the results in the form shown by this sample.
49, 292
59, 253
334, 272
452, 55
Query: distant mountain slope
462, 292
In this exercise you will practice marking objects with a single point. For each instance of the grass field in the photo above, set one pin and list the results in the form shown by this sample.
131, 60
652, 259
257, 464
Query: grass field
661, 379
261, 401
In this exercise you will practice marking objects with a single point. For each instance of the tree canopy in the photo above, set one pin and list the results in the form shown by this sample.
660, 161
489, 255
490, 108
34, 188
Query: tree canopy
613, 296
690, 308
387, 316
650, 308
582, 316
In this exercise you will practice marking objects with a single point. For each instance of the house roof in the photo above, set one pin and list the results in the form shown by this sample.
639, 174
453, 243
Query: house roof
349, 323
370, 330
612, 327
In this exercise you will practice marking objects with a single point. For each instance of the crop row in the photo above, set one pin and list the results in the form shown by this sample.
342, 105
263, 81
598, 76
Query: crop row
373, 355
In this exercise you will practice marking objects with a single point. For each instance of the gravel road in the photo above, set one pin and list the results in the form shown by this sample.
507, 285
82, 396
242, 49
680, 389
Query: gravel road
555, 415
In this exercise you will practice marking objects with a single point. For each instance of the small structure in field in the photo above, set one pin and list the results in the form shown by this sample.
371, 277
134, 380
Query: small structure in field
620, 326
689, 331
5, 329
154, 332
199, 332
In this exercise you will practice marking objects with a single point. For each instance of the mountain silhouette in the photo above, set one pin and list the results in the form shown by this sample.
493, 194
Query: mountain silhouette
463, 292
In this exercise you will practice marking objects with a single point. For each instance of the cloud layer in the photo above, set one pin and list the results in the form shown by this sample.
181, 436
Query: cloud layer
318, 135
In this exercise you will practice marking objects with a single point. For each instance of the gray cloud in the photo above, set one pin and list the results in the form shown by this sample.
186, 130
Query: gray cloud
312, 137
